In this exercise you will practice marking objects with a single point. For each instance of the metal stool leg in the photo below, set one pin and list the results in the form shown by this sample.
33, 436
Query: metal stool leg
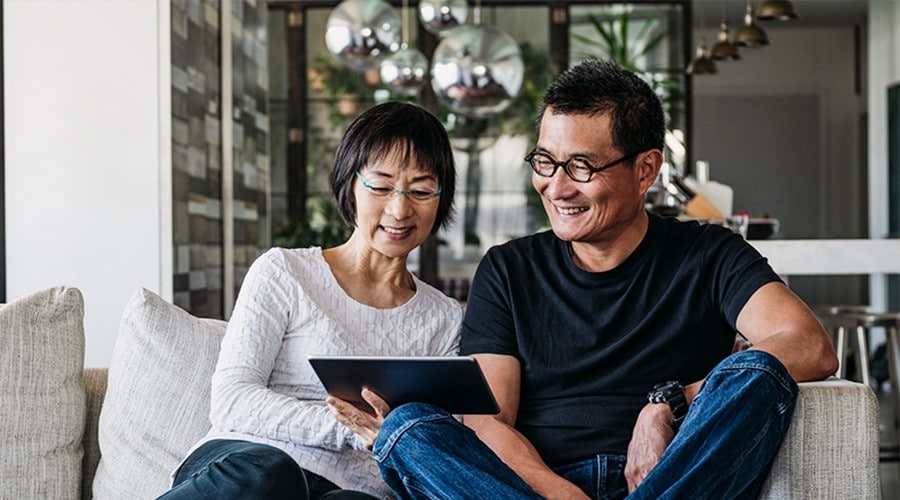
841, 346
862, 353
892, 337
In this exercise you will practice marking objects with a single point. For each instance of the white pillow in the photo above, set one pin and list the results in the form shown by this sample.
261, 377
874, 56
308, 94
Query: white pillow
157, 401
42, 401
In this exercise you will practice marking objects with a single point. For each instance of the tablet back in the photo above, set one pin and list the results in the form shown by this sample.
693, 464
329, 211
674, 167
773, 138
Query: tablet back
455, 384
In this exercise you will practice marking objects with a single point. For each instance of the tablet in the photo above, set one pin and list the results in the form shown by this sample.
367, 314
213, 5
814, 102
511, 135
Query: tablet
455, 384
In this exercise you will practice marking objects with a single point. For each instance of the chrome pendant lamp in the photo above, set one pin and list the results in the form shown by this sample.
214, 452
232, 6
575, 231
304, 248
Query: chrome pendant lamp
750, 35
780, 10
724, 50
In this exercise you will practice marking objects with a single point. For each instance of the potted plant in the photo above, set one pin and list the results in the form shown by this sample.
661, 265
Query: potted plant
346, 88
613, 40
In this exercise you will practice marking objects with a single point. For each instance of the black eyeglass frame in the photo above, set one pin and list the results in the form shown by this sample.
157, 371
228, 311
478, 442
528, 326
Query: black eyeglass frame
565, 164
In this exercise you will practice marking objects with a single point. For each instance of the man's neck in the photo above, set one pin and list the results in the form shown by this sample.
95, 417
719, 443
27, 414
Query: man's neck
607, 254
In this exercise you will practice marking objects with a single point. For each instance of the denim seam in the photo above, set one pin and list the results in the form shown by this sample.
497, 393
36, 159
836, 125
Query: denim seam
392, 439
788, 386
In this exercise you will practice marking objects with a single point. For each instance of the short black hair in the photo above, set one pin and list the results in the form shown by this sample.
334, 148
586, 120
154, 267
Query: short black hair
381, 130
598, 87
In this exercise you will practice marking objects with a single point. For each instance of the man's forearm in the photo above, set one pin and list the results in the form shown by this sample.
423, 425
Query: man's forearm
521, 456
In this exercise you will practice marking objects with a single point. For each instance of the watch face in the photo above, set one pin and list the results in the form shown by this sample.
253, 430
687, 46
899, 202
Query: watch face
671, 393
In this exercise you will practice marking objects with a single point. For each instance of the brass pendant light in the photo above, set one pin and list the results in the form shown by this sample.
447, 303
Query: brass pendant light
781, 10
724, 50
750, 35
702, 64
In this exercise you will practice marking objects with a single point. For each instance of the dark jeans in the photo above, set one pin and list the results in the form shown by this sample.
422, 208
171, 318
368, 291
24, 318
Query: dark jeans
724, 448
230, 469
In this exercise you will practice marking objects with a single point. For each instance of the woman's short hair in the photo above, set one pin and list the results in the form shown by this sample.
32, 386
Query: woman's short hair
382, 130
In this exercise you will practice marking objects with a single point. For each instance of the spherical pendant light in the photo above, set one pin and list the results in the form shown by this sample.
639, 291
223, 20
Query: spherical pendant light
362, 33
477, 70
405, 71
441, 16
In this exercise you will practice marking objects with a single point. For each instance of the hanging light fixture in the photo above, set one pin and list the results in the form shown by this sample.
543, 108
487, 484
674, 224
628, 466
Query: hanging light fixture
750, 35
724, 50
406, 70
702, 64
780, 10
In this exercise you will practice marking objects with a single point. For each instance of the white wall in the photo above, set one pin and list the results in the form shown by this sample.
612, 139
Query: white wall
88, 182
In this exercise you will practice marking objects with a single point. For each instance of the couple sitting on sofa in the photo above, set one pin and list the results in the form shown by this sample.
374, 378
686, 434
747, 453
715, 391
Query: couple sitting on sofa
572, 327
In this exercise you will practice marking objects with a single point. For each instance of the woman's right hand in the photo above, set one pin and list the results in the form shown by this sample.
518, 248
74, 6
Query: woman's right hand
363, 424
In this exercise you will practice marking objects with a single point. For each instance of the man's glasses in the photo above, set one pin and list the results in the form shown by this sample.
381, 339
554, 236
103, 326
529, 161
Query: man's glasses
417, 195
578, 169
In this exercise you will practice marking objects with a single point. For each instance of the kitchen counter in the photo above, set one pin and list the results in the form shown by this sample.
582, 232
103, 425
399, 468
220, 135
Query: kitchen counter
831, 256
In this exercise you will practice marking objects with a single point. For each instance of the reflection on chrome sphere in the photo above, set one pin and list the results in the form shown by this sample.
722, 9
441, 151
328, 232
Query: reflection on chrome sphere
441, 16
405, 71
362, 33
477, 70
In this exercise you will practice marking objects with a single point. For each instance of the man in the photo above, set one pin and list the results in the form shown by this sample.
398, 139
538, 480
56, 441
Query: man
573, 327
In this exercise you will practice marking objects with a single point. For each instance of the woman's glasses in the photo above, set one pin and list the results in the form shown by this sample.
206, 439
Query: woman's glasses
421, 196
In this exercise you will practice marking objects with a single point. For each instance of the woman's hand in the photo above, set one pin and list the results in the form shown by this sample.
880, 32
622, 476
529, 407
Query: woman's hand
362, 423
651, 436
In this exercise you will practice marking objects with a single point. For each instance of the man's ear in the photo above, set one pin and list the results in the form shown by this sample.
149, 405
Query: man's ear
648, 163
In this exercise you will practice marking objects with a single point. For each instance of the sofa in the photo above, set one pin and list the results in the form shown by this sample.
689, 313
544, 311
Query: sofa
118, 432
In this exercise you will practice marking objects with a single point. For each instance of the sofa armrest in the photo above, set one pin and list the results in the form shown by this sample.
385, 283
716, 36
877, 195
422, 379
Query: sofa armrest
95, 391
831, 449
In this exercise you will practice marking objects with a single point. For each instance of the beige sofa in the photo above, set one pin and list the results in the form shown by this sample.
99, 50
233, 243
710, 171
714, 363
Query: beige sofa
69, 432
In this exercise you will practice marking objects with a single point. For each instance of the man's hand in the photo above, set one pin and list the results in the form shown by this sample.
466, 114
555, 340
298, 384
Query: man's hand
363, 424
651, 436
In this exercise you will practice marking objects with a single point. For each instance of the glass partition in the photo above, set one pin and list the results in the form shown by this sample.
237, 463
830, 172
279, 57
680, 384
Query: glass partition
495, 201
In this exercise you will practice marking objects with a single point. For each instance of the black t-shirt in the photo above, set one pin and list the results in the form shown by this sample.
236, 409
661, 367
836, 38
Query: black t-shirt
592, 345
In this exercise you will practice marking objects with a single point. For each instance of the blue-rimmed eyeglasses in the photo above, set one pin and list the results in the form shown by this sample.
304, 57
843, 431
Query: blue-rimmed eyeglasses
578, 169
416, 195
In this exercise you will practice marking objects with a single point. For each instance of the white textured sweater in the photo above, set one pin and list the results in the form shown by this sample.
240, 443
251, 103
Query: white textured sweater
264, 390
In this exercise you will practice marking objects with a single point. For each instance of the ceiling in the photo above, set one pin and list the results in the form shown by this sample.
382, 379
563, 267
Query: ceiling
811, 13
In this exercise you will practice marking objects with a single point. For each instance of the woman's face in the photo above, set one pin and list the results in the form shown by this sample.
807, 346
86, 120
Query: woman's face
395, 209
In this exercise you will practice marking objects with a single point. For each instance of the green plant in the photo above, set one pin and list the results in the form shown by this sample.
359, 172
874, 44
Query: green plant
342, 86
613, 40
323, 227
334, 80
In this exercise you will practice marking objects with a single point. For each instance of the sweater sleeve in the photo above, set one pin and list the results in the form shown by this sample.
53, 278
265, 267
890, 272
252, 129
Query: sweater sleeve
241, 398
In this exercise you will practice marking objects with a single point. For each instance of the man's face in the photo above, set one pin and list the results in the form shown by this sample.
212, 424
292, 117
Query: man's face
606, 206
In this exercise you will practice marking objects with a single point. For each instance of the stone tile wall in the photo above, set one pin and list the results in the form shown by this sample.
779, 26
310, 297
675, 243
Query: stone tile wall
197, 148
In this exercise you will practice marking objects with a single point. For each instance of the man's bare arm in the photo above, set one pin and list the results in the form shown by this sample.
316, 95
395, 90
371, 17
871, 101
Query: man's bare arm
498, 431
776, 321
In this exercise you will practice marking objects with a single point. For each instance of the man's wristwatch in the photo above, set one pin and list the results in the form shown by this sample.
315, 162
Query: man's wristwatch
672, 394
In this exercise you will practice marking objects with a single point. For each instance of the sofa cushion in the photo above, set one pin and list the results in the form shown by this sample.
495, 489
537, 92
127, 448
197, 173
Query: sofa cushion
42, 394
157, 400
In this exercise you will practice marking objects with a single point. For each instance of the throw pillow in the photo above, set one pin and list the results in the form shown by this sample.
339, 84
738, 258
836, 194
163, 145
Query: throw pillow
42, 395
157, 402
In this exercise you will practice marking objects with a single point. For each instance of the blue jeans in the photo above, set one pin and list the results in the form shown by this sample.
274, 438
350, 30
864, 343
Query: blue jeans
234, 469
724, 448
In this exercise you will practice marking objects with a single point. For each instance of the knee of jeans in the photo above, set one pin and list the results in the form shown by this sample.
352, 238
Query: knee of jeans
410, 412
400, 420
766, 366
266, 467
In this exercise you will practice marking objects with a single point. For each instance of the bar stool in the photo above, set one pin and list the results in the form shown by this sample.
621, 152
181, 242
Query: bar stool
839, 321
864, 323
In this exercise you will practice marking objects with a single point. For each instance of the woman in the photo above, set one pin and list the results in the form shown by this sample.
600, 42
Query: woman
393, 180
